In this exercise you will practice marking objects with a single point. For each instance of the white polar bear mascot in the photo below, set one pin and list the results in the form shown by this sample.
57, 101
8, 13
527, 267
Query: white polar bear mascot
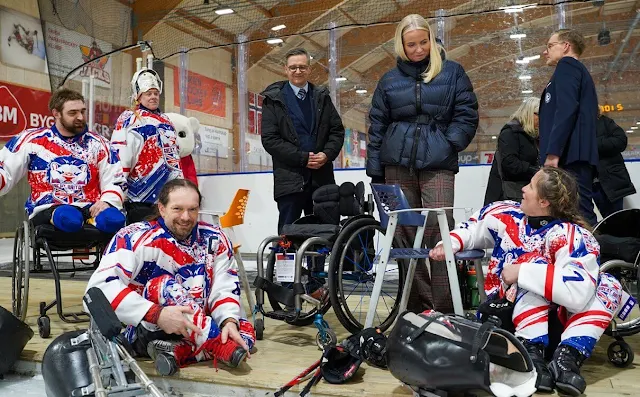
186, 130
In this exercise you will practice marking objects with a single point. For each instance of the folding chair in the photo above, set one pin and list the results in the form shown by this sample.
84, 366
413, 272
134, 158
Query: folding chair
228, 220
394, 210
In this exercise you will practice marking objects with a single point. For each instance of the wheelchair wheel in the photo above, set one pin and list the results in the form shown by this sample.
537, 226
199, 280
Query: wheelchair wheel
20, 273
352, 273
308, 312
620, 354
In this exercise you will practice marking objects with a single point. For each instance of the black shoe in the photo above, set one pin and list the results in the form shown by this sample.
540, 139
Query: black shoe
565, 368
544, 383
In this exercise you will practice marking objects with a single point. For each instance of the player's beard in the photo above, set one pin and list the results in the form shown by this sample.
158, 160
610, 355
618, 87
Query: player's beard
74, 127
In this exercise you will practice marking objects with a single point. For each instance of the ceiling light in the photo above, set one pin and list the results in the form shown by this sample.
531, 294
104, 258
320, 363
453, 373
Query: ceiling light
518, 8
278, 27
494, 137
274, 41
527, 91
629, 131
341, 79
638, 122
634, 128
532, 57
518, 36
361, 91
522, 61
224, 11
525, 77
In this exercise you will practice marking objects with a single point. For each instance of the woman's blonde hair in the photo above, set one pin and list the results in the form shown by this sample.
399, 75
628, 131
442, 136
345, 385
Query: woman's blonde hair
525, 115
561, 190
417, 22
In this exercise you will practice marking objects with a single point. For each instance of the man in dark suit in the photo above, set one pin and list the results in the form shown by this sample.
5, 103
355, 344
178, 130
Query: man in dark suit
303, 132
568, 116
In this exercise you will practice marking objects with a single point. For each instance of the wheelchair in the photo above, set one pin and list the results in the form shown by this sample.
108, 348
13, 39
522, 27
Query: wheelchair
343, 228
31, 245
619, 239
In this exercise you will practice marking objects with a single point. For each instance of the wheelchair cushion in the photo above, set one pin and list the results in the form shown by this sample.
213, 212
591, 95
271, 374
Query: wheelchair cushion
297, 233
328, 212
326, 193
15, 335
87, 237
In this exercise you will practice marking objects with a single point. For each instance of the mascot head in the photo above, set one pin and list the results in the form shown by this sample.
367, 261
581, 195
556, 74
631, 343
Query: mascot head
186, 130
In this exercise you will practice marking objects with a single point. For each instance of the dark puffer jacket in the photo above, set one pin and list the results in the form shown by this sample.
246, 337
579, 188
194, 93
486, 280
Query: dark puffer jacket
612, 172
418, 125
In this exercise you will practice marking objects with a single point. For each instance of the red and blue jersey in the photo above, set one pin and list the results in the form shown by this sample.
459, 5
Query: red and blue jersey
202, 270
558, 260
77, 170
146, 142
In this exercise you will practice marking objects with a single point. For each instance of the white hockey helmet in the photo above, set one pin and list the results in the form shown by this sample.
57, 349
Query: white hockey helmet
144, 80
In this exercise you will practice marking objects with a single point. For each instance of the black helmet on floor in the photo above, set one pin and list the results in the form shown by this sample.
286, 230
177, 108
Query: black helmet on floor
339, 364
65, 367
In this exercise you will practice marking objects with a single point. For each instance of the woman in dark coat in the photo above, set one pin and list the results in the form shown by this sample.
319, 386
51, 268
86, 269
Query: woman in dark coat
613, 182
423, 113
517, 152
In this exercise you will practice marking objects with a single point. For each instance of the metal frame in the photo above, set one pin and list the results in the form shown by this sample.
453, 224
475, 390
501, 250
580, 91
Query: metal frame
385, 253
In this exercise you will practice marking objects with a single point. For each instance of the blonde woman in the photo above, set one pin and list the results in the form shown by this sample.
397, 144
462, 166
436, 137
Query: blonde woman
517, 154
423, 113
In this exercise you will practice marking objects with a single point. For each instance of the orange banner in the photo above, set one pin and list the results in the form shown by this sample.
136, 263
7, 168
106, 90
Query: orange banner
204, 94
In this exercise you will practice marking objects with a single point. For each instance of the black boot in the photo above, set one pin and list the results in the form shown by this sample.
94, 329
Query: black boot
565, 368
544, 383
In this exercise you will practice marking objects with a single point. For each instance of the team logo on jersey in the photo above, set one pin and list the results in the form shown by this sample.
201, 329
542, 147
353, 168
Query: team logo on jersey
69, 177
192, 278
169, 147
609, 292
547, 97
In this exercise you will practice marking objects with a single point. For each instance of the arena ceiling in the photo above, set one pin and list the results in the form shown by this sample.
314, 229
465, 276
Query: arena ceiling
477, 36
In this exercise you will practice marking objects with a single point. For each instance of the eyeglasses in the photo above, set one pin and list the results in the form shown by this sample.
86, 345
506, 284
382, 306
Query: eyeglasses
303, 68
549, 45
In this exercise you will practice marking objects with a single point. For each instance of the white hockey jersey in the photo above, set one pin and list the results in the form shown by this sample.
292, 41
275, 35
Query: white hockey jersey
78, 171
559, 260
204, 266
146, 142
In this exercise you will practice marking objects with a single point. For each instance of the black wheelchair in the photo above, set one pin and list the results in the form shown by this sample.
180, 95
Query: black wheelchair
619, 238
31, 245
343, 229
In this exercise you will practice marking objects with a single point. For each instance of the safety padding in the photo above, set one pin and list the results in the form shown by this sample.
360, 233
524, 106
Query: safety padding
87, 237
65, 368
432, 351
14, 336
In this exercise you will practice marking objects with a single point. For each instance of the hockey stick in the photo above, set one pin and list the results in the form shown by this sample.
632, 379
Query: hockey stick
298, 379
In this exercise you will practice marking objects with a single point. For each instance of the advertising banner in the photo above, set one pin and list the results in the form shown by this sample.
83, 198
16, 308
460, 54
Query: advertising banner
214, 141
73, 49
204, 94
22, 108
21, 41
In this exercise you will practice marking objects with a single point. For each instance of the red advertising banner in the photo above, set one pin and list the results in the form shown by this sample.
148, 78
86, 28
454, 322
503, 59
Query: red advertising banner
204, 94
22, 108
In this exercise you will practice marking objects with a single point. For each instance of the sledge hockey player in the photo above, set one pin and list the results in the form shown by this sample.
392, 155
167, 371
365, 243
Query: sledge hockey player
146, 142
544, 250
174, 281
74, 174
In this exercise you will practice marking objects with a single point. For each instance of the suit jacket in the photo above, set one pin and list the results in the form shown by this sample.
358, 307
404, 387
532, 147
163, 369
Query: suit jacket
568, 115
301, 124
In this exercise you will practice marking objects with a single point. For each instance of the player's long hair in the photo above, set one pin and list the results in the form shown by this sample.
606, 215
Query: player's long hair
163, 197
561, 190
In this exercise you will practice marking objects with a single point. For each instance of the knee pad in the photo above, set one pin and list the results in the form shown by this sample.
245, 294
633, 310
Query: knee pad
68, 218
110, 220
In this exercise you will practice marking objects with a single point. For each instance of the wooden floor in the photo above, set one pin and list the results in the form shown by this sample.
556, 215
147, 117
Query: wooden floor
287, 350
